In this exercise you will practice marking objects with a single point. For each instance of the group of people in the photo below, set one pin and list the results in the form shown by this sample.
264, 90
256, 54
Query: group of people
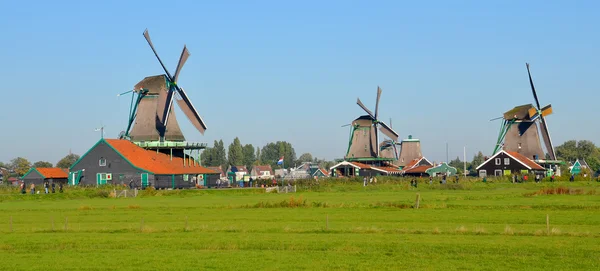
47, 186
371, 180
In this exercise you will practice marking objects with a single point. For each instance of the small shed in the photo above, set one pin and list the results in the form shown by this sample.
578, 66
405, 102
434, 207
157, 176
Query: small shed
40, 175
441, 169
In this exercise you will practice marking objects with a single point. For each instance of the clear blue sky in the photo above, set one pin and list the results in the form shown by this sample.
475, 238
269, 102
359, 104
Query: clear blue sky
277, 70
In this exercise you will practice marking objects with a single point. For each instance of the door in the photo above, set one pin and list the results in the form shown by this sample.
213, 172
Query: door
144, 180
101, 178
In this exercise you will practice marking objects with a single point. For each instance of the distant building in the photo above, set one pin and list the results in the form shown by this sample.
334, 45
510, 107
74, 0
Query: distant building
506, 163
121, 162
262, 172
222, 174
353, 169
40, 175
417, 167
238, 171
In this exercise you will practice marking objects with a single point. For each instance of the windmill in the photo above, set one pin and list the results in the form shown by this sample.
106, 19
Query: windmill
151, 115
364, 138
388, 147
519, 129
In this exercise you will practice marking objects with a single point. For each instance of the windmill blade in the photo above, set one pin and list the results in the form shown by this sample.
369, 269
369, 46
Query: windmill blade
147, 36
347, 125
547, 140
182, 59
364, 107
118, 95
537, 102
496, 118
547, 110
164, 107
377, 102
190, 112
388, 131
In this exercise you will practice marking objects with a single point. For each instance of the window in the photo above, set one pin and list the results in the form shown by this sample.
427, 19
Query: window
507, 161
498, 161
498, 172
102, 162
482, 173
185, 177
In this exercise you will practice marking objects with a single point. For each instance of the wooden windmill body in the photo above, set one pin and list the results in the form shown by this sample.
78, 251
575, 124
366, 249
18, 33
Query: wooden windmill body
364, 145
521, 129
152, 122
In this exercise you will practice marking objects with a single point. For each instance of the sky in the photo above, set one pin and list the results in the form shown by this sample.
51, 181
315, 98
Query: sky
265, 71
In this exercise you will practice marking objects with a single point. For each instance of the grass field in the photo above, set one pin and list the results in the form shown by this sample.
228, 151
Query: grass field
340, 226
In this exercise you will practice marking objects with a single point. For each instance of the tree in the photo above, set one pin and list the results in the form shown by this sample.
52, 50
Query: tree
258, 161
20, 165
42, 164
477, 160
572, 150
220, 155
271, 153
67, 161
249, 157
236, 153
305, 157
459, 165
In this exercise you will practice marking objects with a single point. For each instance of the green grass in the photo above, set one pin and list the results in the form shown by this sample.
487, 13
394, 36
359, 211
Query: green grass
338, 225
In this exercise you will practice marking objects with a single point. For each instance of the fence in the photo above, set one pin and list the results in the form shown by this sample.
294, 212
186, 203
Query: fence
286, 189
125, 193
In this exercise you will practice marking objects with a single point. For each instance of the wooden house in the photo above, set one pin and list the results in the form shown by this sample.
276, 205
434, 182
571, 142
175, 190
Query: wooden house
121, 162
352, 169
506, 163
262, 172
417, 167
40, 175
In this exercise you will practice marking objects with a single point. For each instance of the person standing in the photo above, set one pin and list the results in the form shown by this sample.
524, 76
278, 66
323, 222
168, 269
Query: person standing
23, 188
46, 187
60, 187
365, 181
572, 179
32, 188
53, 188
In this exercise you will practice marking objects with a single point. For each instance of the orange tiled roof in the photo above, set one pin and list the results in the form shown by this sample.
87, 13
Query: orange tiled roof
260, 169
52, 172
324, 172
361, 165
530, 163
157, 163
413, 162
390, 169
419, 169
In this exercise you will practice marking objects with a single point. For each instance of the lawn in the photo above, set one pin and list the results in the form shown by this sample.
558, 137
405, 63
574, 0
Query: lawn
339, 226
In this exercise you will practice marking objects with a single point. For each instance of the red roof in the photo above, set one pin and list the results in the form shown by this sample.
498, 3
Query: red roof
324, 172
151, 161
361, 165
52, 172
530, 163
218, 170
412, 163
260, 169
419, 169
389, 169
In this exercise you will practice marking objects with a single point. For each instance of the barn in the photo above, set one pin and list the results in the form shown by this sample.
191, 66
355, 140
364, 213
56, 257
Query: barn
42, 174
121, 162
506, 163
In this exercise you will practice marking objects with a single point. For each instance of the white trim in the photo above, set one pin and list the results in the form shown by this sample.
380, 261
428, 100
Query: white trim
344, 163
498, 153
380, 170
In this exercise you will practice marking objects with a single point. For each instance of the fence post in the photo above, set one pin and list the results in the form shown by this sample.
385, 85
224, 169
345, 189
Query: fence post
125, 193
11, 227
66, 222
548, 224
186, 224
52, 223
418, 201
142, 225
327, 222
